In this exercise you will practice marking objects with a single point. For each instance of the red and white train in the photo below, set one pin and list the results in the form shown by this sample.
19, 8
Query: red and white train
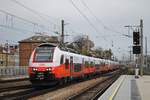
49, 63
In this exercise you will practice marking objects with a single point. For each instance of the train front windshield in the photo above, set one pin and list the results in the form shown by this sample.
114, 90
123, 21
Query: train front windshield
44, 54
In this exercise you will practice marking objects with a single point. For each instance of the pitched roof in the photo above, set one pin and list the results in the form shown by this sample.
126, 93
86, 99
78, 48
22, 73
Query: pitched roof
39, 37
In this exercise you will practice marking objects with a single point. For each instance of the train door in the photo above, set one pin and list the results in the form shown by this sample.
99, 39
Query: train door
71, 66
82, 67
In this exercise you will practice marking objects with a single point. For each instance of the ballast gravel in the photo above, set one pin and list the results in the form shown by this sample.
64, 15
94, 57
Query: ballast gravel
64, 93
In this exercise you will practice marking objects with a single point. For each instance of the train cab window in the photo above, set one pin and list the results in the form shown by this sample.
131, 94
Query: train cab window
44, 54
62, 59
66, 63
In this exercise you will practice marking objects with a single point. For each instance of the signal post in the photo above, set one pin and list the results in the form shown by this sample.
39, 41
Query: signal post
138, 44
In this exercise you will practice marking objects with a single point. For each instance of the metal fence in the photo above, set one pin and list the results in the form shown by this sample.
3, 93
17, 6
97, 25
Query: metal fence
13, 70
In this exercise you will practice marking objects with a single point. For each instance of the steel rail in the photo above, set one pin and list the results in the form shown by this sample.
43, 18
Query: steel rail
93, 92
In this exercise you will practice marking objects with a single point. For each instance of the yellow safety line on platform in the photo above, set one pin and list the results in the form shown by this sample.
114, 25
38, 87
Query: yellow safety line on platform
116, 89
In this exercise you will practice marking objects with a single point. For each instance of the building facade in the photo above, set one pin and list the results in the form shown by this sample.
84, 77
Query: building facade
9, 56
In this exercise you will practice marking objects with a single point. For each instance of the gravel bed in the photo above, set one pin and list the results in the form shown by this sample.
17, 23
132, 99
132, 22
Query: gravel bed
63, 93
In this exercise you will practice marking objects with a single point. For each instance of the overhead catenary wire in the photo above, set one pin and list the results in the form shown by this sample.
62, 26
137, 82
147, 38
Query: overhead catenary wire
17, 17
84, 16
33, 11
101, 23
14, 28
39, 14
23, 19
97, 19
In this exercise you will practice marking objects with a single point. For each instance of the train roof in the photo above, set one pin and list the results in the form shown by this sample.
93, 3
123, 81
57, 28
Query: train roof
75, 53
47, 44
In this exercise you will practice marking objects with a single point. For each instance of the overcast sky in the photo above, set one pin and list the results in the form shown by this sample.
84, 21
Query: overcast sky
114, 14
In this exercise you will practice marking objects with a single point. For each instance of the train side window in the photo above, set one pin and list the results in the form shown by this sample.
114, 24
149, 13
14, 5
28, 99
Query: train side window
62, 59
77, 67
104, 64
82, 61
86, 63
97, 66
100, 63
94, 63
91, 64
66, 63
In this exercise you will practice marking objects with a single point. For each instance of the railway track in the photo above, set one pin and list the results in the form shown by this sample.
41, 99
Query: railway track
13, 80
14, 85
9, 88
14, 88
27, 91
71, 89
95, 91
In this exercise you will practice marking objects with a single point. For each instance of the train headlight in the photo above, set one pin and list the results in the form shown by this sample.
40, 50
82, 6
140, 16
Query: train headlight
48, 69
34, 69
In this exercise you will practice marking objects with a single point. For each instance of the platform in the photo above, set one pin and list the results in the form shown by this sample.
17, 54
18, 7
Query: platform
128, 88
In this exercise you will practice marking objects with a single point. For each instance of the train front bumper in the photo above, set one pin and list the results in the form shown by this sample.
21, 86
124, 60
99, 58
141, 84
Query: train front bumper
46, 75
